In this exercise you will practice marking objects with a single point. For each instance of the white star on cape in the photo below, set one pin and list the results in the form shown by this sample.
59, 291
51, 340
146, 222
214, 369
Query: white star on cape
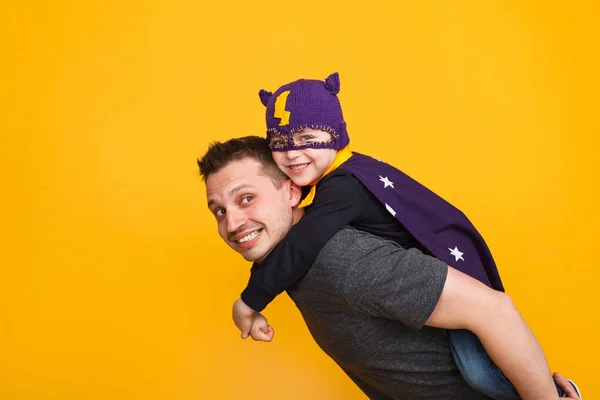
391, 210
458, 255
386, 182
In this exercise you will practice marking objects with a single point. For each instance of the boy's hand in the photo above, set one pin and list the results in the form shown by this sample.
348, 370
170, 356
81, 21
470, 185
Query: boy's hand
261, 330
243, 317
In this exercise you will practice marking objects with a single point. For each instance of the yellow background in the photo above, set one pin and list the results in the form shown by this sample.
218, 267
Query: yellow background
114, 283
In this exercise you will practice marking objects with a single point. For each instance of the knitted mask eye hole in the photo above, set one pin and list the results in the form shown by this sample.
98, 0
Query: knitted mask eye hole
279, 142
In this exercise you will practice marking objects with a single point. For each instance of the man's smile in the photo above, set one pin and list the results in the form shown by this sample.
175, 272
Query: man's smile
247, 240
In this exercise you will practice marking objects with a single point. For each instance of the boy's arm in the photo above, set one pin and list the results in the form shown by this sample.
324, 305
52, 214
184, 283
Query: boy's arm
336, 204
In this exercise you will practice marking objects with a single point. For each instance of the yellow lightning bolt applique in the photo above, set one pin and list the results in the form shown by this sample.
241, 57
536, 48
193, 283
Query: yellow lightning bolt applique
279, 111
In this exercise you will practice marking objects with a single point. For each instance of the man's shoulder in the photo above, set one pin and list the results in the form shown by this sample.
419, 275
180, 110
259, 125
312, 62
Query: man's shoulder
350, 234
344, 258
347, 236
351, 244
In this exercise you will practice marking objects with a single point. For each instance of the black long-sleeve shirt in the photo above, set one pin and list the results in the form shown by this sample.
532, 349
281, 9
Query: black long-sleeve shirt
340, 200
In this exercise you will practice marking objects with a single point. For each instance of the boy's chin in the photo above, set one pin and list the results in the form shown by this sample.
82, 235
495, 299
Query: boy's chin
302, 181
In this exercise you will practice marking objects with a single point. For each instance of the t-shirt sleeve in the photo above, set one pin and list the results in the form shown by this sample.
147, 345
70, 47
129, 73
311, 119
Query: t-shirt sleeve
386, 281
336, 204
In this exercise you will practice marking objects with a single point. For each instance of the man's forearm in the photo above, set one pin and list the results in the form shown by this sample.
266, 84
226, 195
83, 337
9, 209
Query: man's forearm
466, 303
515, 350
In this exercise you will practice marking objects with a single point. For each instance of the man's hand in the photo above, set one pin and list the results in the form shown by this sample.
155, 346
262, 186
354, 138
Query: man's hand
566, 386
261, 330
243, 317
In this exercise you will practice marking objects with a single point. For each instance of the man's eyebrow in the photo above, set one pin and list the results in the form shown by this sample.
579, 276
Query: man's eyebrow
211, 202
238, 188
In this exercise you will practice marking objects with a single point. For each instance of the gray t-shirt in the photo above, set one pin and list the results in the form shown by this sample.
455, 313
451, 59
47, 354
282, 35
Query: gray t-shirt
365, 301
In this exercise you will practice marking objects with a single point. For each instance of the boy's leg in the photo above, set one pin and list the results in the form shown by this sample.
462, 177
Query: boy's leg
480, 372
477, 368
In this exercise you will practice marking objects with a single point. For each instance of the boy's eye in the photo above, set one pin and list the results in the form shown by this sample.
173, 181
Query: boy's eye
306, 137
277, 141
246, 199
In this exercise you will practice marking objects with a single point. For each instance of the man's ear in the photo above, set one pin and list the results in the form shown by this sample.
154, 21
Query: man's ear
295, 193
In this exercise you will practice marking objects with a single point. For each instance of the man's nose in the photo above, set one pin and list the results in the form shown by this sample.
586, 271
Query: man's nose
235, 220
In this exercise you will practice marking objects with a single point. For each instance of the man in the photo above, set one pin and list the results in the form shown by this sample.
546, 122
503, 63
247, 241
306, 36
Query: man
376, 309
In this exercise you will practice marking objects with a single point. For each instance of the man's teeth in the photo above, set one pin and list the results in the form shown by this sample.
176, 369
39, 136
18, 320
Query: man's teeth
248, 237
297, 167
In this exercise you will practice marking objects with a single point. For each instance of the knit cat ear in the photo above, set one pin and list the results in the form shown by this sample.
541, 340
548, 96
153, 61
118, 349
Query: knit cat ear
332, 83
264, 96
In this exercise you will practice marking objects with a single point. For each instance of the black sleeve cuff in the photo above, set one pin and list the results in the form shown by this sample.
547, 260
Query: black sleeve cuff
255, 298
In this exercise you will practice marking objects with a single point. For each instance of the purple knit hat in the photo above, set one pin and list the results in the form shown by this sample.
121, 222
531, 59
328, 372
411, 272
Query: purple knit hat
304, 104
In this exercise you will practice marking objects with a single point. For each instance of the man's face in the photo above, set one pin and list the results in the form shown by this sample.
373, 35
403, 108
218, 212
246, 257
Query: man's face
253, 215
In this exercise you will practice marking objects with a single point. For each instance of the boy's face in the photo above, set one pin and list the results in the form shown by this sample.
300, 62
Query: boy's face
305, 166
252, 214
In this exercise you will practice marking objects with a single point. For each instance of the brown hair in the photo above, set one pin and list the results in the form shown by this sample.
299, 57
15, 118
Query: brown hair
220, 154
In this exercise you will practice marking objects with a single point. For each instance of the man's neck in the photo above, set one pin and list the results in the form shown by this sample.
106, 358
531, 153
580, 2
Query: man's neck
297, 213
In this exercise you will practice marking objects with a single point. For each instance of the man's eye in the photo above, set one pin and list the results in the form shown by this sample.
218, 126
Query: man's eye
246, 199
219, 212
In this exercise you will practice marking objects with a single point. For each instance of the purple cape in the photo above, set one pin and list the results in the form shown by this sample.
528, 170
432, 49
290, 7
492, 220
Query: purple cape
443, 229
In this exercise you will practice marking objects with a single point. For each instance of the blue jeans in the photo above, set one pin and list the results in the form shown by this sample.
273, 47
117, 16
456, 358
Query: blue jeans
478, 369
